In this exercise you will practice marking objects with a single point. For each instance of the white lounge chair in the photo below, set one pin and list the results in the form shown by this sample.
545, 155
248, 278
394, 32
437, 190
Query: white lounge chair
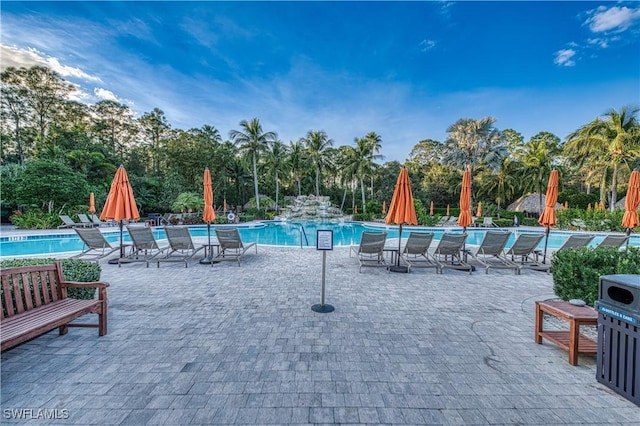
181, 243
145, 246
231, 245
95, 245
416, 251
448, 253
491, 254
370, 251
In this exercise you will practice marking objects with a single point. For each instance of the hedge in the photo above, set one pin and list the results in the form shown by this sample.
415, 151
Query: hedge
576, 272
73, 269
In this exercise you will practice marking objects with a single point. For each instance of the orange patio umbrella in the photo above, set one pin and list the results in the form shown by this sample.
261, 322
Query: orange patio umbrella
479, 211
465, 219
589, 207
431, 209
401, 211
631, 203
355, 209
224, 205
384, 207
120, 204
548, 216
209, 215
92, 203
448, 213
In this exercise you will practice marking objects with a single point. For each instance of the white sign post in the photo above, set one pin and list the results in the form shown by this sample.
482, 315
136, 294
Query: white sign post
324, 242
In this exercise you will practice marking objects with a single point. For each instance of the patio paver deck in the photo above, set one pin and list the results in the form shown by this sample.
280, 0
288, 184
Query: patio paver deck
241, 345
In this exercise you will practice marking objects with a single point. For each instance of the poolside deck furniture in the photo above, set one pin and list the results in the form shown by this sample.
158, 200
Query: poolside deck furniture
416, 251
571, 341
84, 219
370, 251
182, 248
34, 301
145, 246
231, 246
487, 222
452, 221
448, 253
97, 222
442, 221
95, 245
613, 241
524, 251
491, 254
576, 241
69, 223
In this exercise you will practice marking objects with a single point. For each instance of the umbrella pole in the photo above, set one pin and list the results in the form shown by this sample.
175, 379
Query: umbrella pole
397, 267
208, 258
115, 261
546, 241
629, 237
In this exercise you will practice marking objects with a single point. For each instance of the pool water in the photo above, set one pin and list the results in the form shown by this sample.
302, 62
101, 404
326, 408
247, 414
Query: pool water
267, 233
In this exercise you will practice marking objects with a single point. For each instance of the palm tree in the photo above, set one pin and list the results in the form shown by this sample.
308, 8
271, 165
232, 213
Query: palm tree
276, 160
472, 142
252, 140
537, 162
296, 162
317, 143
373, 143
614, 138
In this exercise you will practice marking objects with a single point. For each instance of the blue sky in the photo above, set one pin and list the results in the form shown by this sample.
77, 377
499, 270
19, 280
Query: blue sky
406, 70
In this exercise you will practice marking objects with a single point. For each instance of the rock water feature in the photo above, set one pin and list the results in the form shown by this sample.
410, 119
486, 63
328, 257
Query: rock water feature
310, 207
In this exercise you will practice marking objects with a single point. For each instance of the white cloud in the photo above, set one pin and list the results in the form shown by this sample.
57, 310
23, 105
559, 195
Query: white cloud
603, 43
616, 19
105, 94
564, 57
16, 57
426, 45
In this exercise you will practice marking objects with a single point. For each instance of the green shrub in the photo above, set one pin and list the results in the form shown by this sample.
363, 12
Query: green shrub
73, 269
35, 219
576, 273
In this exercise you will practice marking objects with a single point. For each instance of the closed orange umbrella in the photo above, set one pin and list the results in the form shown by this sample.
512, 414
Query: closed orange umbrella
209, 214
224, 205
355, 209
92, 203
465, 219
401, 211
448, 213
548, 216
384, 207
479, 211
120, 204
632, 202
431, 209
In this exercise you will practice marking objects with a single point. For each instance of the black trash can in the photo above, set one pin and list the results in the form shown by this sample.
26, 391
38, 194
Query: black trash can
618, 356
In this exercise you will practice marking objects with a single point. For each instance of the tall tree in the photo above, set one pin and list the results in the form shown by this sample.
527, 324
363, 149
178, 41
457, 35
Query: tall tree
276, 161
538, 158
614, 138
13, 107
373, 145
317, 143
156, 129
296, 162
115, 126
252, 140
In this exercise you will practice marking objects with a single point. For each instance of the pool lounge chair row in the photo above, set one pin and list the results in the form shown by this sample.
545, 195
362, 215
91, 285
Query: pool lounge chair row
145, 248
85, 221
451, 252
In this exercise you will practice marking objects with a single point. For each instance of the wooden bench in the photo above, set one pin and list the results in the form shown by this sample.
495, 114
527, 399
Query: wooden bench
34, 301
571, 341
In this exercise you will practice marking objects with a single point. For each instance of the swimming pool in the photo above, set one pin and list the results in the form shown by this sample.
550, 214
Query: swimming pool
267, 233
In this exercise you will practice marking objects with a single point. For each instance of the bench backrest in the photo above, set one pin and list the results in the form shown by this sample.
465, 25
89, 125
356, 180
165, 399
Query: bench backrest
28, 287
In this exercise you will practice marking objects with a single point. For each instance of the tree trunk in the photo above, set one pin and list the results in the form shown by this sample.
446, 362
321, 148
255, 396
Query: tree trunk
364, 209
255, 181
614, 187
344, 199
317, 182
277, 190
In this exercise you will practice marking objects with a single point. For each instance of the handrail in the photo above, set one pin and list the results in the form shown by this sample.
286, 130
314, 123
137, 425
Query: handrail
302, 232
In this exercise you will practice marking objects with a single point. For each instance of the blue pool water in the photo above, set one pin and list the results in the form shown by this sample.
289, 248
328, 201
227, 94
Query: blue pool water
266, 233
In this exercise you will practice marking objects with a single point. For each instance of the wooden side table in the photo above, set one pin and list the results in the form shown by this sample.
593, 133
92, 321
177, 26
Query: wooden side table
571, 340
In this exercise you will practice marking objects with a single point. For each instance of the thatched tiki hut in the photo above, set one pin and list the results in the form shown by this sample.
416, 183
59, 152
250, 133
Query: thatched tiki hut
530, 203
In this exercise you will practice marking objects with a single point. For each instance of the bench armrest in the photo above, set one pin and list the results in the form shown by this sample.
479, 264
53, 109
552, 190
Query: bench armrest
76, 284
